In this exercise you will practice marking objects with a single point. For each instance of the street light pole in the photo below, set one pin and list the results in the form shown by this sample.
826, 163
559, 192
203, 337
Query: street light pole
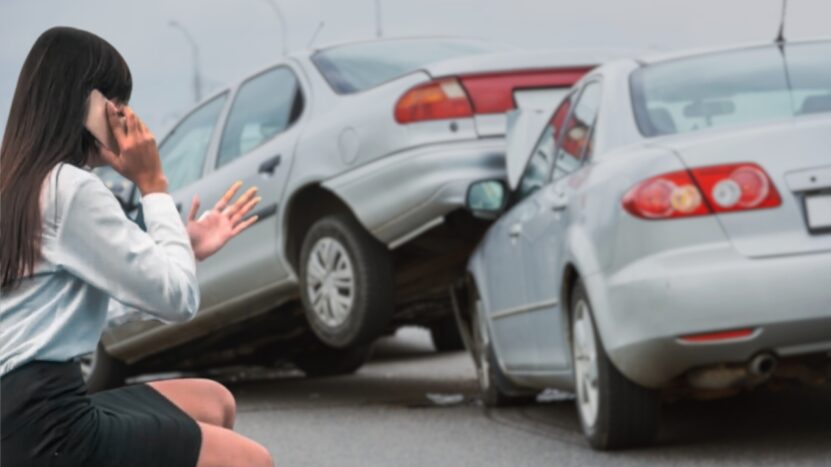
282, 19
379, 32
197, 77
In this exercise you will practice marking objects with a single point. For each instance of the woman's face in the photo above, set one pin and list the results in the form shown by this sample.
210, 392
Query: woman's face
94, 159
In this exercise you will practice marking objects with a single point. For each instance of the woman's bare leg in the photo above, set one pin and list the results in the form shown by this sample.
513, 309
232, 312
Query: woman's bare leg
204, 400
224, 448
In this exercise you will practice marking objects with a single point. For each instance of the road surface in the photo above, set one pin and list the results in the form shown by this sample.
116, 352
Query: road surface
412, 407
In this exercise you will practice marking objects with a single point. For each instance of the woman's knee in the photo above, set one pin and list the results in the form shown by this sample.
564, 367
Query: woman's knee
224, 402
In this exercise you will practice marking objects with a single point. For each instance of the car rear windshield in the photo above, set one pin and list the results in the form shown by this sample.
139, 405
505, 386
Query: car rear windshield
358, 67
729, 88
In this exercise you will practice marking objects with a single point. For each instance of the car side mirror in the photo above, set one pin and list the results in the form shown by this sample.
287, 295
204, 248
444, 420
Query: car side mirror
486, 199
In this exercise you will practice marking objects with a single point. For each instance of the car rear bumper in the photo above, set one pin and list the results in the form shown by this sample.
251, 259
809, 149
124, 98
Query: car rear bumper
651, 304
401, 195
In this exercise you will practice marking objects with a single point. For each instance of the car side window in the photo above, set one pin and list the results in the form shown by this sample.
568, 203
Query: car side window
539, 166
575, 142
183, 151
264, 107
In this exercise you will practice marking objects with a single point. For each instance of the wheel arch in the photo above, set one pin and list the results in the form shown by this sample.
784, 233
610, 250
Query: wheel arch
307, 205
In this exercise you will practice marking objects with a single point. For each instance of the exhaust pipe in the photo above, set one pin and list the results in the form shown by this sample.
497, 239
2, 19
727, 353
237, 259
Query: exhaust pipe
763, 364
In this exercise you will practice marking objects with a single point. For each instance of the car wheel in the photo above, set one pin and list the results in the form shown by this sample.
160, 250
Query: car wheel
494, 386
332, 362
102, 371
614, 412
346, 282
445, 335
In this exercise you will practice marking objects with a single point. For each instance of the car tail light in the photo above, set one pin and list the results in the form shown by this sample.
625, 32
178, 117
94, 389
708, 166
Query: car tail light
700, 191
435, 100
665, 197
737, 187
494, 92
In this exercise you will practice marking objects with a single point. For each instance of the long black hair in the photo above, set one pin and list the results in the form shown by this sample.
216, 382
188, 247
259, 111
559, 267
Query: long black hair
46, 127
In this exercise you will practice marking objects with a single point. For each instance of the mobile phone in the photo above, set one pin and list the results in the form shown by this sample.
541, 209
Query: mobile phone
97, 123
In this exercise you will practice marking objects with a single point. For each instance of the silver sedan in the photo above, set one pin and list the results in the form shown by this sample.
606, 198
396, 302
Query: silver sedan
669, 234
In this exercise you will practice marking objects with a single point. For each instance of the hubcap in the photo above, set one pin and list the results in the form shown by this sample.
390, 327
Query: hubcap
330, 282
584, 348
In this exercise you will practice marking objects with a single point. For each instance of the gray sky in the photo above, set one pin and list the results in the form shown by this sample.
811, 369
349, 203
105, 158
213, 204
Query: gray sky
238, 36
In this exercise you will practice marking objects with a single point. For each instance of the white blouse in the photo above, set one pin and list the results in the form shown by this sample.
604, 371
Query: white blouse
91, 252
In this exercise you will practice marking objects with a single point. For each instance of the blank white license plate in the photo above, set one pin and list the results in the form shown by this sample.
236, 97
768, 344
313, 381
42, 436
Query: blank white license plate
818, 210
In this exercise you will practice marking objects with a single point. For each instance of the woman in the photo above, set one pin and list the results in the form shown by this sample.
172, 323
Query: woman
66, 248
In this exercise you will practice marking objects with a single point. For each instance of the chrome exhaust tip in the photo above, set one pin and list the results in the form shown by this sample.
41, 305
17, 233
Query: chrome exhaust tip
763, 364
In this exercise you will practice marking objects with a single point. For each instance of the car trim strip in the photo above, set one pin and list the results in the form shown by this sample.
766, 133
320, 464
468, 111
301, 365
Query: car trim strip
524, 309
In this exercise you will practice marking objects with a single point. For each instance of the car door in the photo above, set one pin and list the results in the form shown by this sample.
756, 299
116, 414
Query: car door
255, 146
545, 230
511, 324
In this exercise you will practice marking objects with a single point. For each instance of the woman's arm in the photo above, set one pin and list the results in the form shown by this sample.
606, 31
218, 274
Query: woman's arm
153, 271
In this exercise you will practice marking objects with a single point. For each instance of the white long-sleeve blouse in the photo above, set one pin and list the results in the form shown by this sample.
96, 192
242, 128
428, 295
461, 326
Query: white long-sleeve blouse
91, 252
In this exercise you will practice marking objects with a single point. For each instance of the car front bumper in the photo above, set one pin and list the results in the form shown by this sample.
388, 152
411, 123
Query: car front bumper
403, 194
647, 307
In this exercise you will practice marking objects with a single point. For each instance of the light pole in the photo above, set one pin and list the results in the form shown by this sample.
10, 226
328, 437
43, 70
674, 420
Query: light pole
379, 32
282, 19
197, 77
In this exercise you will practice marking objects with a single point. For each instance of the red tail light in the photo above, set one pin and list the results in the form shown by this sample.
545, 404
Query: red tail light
434, 101
482, 94
737, 187
701, 191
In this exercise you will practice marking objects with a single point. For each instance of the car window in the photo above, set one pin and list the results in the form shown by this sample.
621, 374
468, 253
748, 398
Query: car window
732, 88
357, 67
542, 160
264, 107
575, 141
183, 151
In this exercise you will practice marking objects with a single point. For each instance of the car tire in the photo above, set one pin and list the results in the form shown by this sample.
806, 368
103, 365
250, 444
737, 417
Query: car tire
614, 412
327, 361
102, 371
346, 282
496, 389
445, 335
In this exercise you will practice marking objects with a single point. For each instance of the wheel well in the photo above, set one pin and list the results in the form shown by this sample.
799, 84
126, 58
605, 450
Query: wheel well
306, 206
570, 278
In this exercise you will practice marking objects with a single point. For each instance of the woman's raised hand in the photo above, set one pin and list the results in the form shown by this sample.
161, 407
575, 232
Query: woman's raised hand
138, 157
212, 230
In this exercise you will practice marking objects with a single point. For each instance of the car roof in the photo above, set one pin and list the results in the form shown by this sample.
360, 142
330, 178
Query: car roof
658, 57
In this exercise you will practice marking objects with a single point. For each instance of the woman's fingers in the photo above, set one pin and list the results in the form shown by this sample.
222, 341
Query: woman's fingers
245, 209
227, 197
244, 225
194, 208
116, 126
240, 202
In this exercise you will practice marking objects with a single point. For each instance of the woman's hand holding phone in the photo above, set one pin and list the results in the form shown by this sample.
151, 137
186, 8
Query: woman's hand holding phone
138, 158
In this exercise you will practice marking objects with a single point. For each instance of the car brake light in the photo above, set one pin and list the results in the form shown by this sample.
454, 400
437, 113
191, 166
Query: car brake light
435, 100
700, 191
665, 197
737, 187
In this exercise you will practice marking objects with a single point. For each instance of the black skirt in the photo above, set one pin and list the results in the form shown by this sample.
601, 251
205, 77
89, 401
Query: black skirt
48, 419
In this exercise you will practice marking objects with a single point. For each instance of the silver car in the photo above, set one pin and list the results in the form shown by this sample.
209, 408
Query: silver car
362, 153
668, 233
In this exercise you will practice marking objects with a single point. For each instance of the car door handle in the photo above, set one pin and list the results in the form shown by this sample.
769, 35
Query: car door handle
516, 231
268, 166
560, 202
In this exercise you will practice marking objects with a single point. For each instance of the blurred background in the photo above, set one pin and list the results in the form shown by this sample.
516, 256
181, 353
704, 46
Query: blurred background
159, 38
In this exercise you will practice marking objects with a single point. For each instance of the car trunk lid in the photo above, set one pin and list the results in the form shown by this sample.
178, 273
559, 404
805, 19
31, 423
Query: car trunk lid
796, 155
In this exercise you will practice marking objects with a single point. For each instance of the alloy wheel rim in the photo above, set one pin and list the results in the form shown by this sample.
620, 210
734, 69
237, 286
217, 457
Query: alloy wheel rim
584, 348
330, 282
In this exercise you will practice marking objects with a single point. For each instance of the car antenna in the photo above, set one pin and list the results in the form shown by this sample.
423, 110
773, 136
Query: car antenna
314, 34
780, 38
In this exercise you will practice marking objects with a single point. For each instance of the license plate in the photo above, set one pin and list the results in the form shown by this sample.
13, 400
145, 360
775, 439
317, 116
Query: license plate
818, 210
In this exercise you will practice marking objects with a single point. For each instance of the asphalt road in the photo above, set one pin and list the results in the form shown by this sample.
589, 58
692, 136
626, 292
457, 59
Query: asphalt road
412, 407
